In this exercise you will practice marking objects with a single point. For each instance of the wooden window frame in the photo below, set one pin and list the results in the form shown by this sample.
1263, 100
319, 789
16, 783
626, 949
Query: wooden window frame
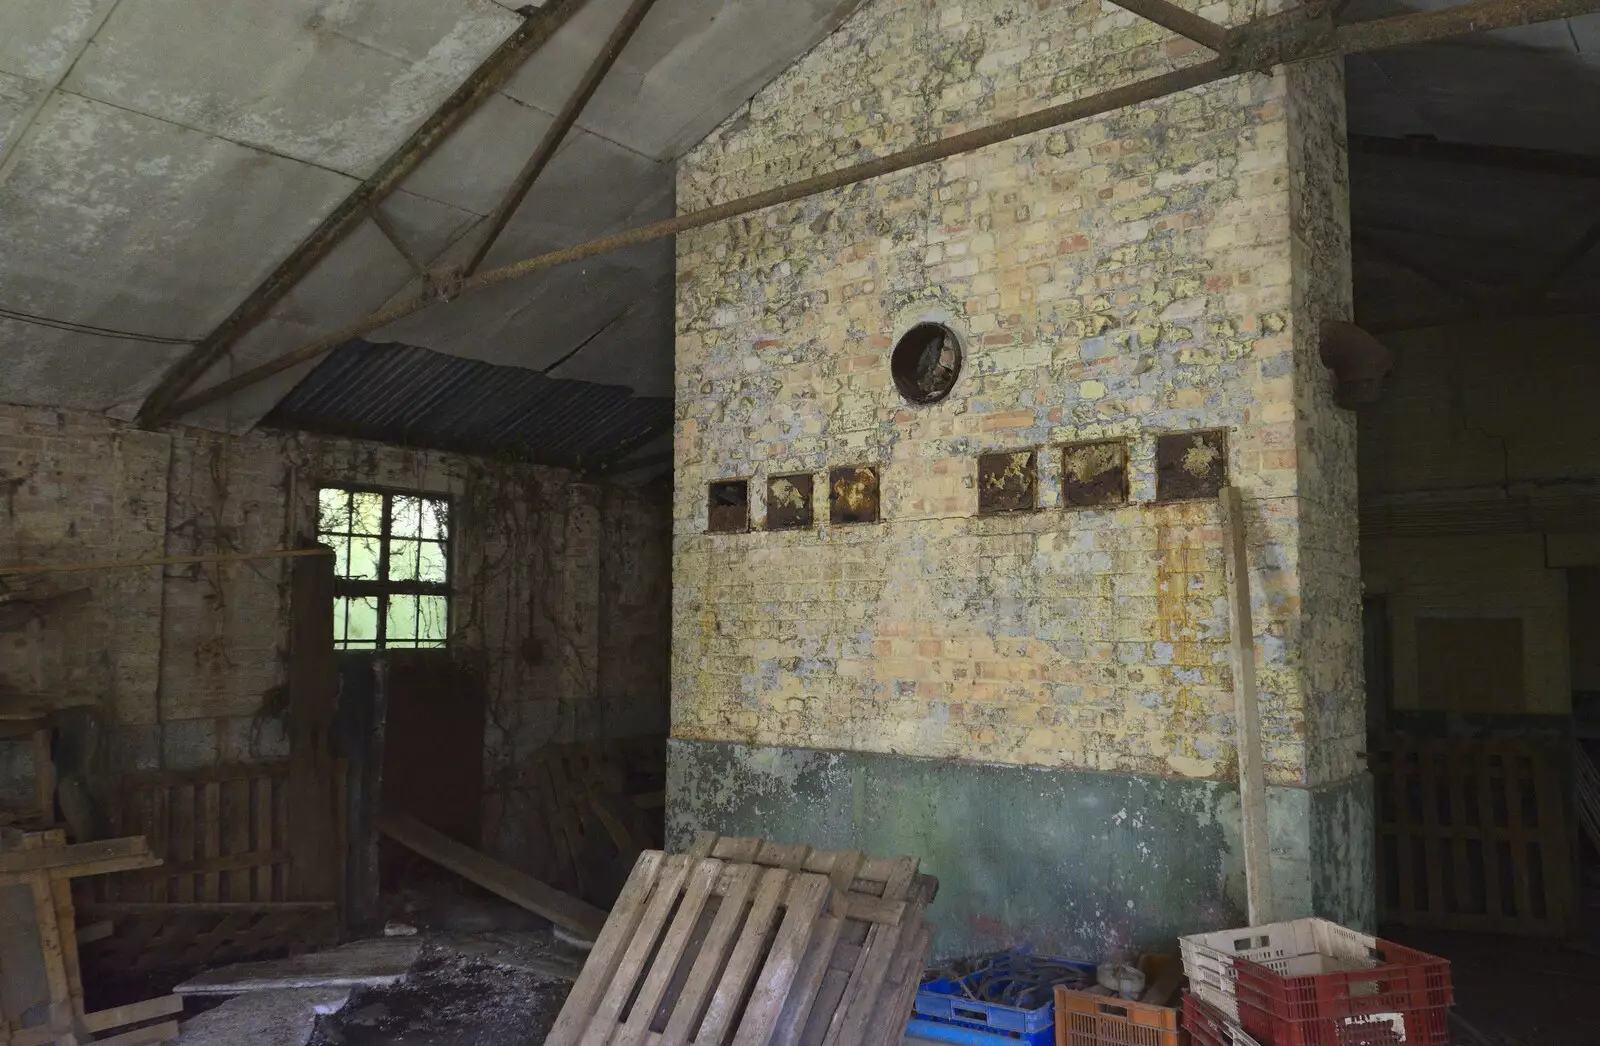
383, 588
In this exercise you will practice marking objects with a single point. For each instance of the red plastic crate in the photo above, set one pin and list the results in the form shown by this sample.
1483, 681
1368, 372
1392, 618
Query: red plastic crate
1403, 1001
1208, 1026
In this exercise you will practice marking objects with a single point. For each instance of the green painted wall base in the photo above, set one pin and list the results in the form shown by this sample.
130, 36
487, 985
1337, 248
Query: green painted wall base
1074, 863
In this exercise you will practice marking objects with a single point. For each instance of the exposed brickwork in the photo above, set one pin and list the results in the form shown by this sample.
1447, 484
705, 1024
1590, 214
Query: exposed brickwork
1127, 276
182, 661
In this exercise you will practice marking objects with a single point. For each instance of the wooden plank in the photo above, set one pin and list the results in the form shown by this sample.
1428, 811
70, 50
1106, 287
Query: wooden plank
264, 838
624, 980
514, 886
156, 822
894, 1007
842, 868
62, 1015
1435, 843
1493, 894
854, 1012
1458, 766
703, 845
211, 821
741, 967
236, 823
67, 924
735, 888
213, 866
1405, 833
125, 909
108, 1020
313, 689
1247, 714
608, 950
1512, 781
56, 860
807, 895
184, 836
807, 982
1559, 890
702, 878
790, 856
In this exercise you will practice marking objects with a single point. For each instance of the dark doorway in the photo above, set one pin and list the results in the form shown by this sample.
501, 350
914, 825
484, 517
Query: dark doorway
433, 743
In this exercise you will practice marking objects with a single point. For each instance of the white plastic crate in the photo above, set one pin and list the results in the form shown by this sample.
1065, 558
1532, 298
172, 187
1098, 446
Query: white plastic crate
1293, 949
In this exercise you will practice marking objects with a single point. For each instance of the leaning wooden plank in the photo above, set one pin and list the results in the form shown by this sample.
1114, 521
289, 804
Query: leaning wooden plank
77, 871
855, 1008
607, 951
702, 880
894, 1006
741, 967
603, 1025
807, 895
55, 859
807, 982
735, 888
517, 887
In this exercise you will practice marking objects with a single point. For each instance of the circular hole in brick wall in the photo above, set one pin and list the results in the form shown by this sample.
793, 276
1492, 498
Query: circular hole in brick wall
926, 362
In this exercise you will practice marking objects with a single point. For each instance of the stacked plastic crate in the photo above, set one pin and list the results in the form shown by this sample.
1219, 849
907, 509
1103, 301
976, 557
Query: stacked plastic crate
1311, 982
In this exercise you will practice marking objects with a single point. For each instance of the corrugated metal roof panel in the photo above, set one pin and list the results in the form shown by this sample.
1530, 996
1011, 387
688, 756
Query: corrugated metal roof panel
420, 398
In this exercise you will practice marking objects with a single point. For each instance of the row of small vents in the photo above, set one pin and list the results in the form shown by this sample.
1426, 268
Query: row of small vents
1189, 466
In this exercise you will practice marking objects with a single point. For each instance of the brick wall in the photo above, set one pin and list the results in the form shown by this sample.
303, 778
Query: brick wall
1159, 269
560, 585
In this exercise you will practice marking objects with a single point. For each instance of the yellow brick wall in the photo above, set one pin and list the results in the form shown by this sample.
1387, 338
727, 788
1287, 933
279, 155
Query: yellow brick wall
1126, 276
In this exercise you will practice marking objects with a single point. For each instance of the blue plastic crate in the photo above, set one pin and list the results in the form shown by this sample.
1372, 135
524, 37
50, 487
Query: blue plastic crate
945, 1012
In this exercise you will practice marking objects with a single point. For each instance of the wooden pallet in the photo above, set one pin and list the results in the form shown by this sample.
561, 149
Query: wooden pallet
222, 832
41, 983
1473, 835
870, 978
771, 945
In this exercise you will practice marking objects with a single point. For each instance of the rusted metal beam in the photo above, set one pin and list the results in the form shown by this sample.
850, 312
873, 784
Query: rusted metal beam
1202, 31
557, 132
1462, 20
1261, 45
499, 67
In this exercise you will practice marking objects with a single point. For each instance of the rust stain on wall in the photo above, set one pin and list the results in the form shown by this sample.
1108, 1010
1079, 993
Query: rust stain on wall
1007, 482
1191, 465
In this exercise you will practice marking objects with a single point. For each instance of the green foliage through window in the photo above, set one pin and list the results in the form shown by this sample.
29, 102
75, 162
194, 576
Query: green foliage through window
391, 568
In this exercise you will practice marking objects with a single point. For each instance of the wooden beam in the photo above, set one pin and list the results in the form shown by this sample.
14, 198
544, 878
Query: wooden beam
1294, 36
313, 690
516, 887
163, 561
1247, 714
557, 132
482, 84
57, 860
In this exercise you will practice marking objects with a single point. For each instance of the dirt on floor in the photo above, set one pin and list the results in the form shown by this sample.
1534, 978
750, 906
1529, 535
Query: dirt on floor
450, 999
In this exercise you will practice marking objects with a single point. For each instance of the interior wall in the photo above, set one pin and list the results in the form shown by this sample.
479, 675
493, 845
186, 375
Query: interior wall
1478, 469
561, 590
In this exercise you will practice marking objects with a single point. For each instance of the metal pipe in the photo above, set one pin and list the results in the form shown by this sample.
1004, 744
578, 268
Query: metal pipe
1267, 42
557, 132
499, 67
1202, 31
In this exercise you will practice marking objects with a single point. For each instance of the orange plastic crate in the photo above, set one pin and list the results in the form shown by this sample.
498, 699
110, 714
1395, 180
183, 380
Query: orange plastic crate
1101, 1020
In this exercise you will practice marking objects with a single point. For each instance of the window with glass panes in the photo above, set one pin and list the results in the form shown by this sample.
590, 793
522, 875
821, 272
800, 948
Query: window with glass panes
391, 568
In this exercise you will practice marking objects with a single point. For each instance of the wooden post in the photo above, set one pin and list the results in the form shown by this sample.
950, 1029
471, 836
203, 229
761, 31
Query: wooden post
313, 688
1247, 714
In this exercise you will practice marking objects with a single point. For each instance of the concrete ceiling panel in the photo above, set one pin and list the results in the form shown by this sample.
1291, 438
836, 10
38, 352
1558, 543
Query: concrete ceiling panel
40, 38
128, 222
46, 367
1374, 106
691, 63
1500, 95
591, 187
19, 96
1544, 36
475, 164
1586, 34
620, 354
338, 83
